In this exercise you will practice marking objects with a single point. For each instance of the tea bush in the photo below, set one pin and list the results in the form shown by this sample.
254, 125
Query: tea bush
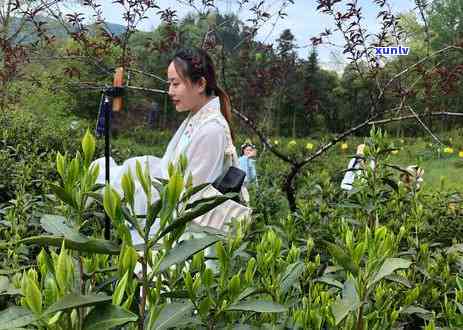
383, 256
27, 148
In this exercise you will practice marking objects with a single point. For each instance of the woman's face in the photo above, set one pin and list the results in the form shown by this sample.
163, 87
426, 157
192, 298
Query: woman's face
184, 94
249, 151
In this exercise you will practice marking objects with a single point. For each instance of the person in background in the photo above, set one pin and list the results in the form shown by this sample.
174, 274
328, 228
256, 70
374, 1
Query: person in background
412, 178
153, 115
355, 168
248, 153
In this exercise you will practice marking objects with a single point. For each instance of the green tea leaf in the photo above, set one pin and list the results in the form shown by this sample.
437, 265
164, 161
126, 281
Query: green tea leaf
330, 281
88, 147
56, 224
33, 296
200, 209
399, 279
192, 191
60, 165
246, 293
342, 258
16, 317
185, 249
4, 283
455, 248
108, 316
153, 212
415, 310
92, 245
350, 302
7, 288
144, 178
389, 266
63, 195
259, 306
73, 300
460, 307
128, 186
291, 275
111, 203
120, 289
171, 314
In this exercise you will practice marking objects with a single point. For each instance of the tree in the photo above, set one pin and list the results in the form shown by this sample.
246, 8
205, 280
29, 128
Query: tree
312, 88
22, 28
286, 44
287, 104
330, 100
445, 21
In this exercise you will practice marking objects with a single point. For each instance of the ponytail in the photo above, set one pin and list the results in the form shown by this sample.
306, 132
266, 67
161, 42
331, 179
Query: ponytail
225, 107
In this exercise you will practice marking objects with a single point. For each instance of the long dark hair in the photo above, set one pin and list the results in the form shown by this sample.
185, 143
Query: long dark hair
194, 64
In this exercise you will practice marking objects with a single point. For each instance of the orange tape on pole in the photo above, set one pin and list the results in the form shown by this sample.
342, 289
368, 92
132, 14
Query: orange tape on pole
118, 82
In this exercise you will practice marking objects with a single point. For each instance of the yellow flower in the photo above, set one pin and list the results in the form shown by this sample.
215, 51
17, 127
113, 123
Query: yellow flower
292, 143
453, 207
448, 150
395, 152
276, 142
460, 154
344, 146
309, 146
402, 141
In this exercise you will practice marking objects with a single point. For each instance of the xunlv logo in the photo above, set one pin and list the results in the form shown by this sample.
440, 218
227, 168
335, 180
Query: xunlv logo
392, 50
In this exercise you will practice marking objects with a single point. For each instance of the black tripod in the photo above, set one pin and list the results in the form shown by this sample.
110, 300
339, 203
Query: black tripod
104, 128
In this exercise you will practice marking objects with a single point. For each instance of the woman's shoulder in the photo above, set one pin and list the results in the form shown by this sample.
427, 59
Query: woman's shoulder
216, 131
212, 128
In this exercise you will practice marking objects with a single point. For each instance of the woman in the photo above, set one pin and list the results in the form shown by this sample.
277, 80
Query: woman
248, 162
412, 177
205, 136
355, 165
355, 168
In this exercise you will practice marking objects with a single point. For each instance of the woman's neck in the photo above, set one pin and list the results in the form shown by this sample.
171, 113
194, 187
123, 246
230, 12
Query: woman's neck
202, 103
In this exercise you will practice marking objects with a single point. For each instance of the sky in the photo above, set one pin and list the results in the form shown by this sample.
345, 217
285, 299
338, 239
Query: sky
303, 20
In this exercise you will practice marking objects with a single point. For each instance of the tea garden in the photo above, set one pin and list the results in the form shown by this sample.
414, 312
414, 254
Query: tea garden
383, 257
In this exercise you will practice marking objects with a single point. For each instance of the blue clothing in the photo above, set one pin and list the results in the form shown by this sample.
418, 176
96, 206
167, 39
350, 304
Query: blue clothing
248, 165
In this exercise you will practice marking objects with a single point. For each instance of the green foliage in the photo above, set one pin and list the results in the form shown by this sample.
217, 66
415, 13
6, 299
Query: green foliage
44, 99
378, 257
28, 146
382, 256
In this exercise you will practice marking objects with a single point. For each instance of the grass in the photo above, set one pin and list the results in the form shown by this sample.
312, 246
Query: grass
443, 174
440, 173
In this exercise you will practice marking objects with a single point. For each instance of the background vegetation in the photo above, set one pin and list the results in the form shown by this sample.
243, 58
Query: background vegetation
312, 256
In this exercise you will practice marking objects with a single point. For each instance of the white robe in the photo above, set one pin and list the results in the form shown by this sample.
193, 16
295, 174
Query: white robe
205, 139
354, 170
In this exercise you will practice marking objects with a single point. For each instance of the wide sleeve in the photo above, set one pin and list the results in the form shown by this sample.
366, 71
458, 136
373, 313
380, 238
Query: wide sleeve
206, 153
349, 176
252, 169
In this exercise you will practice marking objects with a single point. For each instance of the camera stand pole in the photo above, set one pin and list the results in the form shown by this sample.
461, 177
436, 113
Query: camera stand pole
104, 119
109, 94
107, 155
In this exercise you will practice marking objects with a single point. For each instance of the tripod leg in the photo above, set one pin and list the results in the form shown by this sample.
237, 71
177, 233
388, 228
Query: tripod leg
107, 153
